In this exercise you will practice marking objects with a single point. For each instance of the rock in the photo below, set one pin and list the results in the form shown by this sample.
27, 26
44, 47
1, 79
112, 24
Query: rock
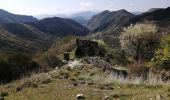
150, 99
71, 85
80, 97
75, 64
106, 97
159, 97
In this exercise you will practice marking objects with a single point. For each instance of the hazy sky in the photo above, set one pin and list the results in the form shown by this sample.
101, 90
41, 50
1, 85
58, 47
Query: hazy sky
38, 7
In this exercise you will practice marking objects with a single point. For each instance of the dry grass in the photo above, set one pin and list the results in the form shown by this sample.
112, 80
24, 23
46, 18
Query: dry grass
48, 86
152, 79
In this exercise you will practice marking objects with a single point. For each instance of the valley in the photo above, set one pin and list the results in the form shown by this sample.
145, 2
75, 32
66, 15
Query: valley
107, 55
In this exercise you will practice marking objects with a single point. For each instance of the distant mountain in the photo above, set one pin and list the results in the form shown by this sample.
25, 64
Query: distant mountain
106, 20
136, 12
7, 17
86, 14
23, 38
80, 20
60, 27
50, 16
80, 17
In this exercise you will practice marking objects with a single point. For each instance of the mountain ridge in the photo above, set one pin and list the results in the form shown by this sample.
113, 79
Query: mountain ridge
7, 17
104, 19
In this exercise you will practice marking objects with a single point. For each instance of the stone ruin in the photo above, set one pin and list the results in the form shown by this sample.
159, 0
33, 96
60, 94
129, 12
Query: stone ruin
92, 53
88, 48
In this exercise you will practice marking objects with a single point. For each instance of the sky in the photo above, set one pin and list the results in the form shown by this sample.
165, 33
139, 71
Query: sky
40, 7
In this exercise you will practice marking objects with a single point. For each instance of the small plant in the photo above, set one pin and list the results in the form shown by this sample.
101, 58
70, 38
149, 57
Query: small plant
120, 96
3, 94
63, 73
46, 81
169, 89
27, 84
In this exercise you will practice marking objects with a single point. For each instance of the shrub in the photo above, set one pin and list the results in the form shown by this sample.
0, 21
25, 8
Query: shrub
162, 55
63, 73
138, 69
3, 94
48, 61
15, 65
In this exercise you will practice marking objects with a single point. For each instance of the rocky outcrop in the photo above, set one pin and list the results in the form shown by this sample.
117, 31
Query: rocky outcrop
106, 66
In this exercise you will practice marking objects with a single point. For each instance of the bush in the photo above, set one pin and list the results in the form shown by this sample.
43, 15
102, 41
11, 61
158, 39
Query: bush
162, 55
48, 61
15, 65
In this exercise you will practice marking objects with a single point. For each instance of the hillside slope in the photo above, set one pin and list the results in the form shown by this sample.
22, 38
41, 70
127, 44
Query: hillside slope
60, 27
19, 37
